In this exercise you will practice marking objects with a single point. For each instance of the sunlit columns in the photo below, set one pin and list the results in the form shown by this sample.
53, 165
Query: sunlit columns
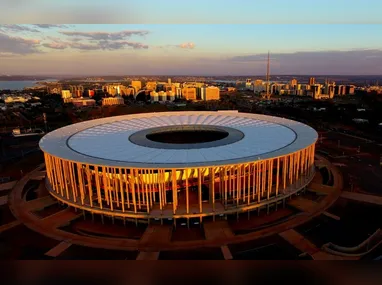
200, 192
137, 191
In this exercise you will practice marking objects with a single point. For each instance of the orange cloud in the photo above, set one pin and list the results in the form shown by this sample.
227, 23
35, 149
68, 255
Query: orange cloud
187, 45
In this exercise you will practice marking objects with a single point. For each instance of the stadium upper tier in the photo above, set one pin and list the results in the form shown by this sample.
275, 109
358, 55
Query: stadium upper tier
139, 141
178, 164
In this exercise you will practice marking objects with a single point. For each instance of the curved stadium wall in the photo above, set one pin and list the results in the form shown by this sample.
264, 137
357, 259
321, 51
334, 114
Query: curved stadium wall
176, 165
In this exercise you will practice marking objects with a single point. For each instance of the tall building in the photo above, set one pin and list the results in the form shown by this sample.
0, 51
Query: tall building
212, 93
199, 95
154, 96
170, 96
316, 91
189, 93
293, 83
162, 96
350, 89
178, 92
258, 86
170, 87
112, 90
66, 94
151, 85
312, 81
248, 83
169, 81
329, 90
340, 90
137, 85
77, 90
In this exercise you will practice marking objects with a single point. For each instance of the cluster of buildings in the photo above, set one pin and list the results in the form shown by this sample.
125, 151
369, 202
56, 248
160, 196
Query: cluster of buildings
15, 101
373, 88
313, 89
158, 91
195, 91
19, 98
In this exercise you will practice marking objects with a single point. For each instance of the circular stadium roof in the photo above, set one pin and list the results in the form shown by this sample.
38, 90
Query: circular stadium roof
146, 140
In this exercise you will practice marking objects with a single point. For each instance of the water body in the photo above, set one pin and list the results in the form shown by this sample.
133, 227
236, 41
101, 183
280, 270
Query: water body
20, 85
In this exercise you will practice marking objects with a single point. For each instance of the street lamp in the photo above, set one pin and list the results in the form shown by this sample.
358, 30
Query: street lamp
45, 122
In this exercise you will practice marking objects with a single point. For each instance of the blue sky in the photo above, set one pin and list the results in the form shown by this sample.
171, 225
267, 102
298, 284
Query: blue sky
222, 49
192, 11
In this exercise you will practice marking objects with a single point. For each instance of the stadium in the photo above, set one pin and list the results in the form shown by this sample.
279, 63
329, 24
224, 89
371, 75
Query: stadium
177, 166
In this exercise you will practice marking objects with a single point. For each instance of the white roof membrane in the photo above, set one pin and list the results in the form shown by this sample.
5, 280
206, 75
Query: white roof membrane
106, 141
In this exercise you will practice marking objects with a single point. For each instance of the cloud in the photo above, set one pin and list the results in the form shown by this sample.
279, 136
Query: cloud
17, 28
356, 61
310, 56
99, 45
7, 54
55, 45
18, 45
121, 44
49, 26
106, 35
186, 45
71, 11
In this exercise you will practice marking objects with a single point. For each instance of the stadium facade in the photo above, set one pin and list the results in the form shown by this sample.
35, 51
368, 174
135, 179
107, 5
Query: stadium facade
179, 165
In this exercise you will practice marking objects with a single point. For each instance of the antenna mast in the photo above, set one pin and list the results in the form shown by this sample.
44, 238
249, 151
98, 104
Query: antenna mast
268, 95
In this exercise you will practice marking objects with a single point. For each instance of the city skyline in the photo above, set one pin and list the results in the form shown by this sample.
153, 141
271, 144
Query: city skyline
116, 49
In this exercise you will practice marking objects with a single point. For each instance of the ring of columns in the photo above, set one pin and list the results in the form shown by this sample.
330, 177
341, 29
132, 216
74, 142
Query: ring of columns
94, 166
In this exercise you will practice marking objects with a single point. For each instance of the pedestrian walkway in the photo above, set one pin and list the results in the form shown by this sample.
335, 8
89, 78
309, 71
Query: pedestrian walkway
7, 186
40, 203
299, 241
304, 205
319, 188
372, 199
58, 219
156, 238
58, 249
9, 226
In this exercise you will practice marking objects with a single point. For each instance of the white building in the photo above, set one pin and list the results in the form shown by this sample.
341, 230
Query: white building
65, 94
110, 101
154, 96
16, 99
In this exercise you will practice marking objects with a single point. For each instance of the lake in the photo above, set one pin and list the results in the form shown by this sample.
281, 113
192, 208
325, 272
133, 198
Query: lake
20, 85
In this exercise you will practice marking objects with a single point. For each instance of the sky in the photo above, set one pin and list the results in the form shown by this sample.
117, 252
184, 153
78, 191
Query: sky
192, 11
191, 49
